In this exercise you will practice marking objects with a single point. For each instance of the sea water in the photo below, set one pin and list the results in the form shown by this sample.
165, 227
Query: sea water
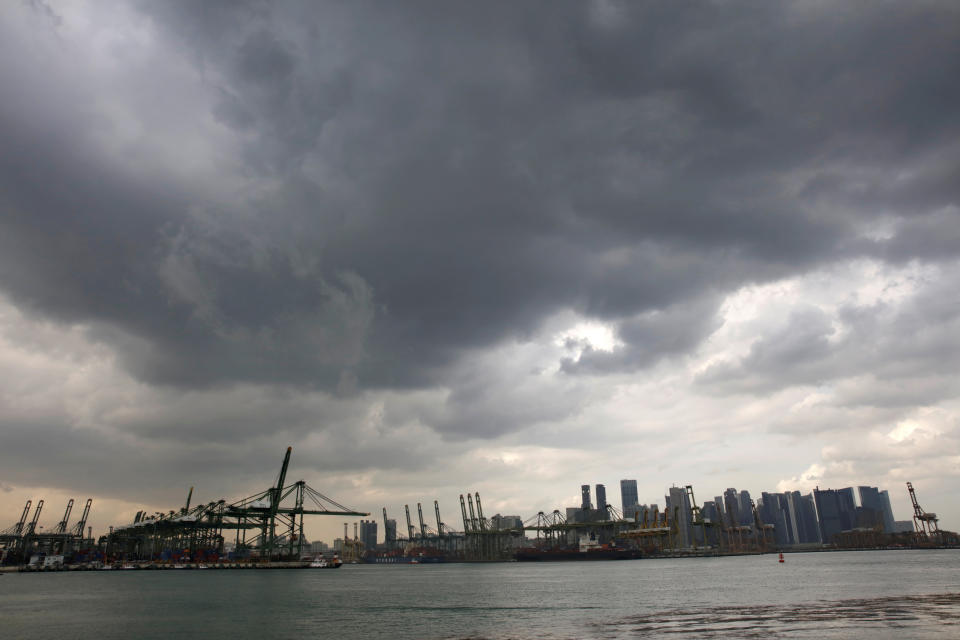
868, 594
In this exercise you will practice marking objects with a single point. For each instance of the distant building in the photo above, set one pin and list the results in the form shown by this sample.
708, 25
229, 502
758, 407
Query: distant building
709, 512
390, 531
889, 524
506, 522
874, 509
585, 503
629, 499
903, 526
678, 508
718, 501
773, 509
318, 546
836, 511
601, 498
368, 533
803, 518
745, 507
877, 502
731, 504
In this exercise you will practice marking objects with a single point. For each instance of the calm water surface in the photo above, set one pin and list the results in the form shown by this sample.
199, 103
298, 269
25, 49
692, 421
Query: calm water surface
892, 594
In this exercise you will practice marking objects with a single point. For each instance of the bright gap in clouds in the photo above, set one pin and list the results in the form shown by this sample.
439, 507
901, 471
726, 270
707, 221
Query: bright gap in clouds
592, 334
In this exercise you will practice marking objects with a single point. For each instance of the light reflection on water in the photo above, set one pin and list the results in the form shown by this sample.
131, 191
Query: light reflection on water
894, 594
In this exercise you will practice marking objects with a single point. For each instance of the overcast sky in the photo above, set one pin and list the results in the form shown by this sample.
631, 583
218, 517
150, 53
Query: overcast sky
506, 247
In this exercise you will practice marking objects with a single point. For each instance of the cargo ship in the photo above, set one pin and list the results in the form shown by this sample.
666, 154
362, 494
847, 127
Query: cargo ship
419, 555
588, 549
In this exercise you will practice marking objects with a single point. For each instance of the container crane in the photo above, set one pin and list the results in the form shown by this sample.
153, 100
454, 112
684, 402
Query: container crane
18, 528
406, 508
925, 523
77, 529
62, 525
473, 517
463, 510
32, 527
480, 518
436, 509
186, 507
423, 528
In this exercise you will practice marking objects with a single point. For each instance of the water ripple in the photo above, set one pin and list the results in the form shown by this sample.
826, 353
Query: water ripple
930, 612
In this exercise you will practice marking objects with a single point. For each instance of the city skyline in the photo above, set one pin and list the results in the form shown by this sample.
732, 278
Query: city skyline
458, 246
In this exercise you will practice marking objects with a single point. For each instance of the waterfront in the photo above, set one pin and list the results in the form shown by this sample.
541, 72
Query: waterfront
891, 594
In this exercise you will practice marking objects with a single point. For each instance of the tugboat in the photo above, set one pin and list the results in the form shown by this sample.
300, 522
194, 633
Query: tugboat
322, 563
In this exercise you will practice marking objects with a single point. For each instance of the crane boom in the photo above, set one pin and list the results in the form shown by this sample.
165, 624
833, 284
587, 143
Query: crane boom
18, 528
436, 508
924, 522
473, 517
423, 528
280, 480
36, 517
463, 510
62, 525
406, 508
480, 518
78, 528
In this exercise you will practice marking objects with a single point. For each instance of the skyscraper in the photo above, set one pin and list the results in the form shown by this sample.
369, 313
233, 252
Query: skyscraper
601, 498
368, 533
731, 503
629, 499
585, 497
679, 509
836, 511
390, 530
746, 508
871, 498
889, 525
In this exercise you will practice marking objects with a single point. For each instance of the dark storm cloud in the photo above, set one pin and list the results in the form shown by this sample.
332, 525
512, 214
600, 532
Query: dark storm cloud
430, 178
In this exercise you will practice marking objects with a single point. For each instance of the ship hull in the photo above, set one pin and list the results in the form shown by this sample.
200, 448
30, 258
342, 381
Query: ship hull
565, 555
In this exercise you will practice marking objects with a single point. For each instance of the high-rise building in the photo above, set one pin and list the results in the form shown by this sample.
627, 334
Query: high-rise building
368, 533
848, 508
499, 522
390, 531
601, 498
871, 498
629, 499
745, 507
836, 511
585, 497
709, 511
679, 507
731, 504
718, 500
804, 528
889, 525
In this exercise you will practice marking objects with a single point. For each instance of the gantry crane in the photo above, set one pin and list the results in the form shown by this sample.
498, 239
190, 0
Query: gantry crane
463, 509
423, 528
406, 509
77, 529
926, 524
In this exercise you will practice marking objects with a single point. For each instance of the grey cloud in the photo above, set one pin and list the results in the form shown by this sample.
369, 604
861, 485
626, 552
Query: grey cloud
423, 181
887, 354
